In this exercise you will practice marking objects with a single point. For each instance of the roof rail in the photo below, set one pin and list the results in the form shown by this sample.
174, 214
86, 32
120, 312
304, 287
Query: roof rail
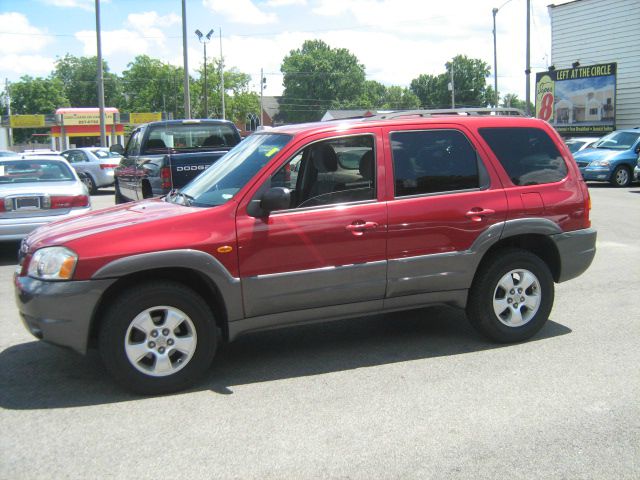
450, 111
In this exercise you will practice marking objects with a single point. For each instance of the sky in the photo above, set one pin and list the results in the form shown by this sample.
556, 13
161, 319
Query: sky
396, 40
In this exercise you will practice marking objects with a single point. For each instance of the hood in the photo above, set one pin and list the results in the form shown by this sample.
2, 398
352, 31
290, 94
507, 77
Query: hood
112, 219
593, 154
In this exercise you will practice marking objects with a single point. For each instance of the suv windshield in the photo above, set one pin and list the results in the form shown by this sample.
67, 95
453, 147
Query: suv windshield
220, 182
617, 141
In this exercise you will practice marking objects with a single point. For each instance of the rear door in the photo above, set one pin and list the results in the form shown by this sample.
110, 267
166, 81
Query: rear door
329, 247
446, 198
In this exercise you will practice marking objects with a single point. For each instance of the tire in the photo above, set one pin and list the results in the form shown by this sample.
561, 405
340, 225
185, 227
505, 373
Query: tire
158, 338
89, 183
621, 177
119, 198
511, 296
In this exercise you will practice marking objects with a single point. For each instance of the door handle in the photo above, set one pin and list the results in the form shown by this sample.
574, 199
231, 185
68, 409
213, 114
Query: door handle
477, 214
358, 228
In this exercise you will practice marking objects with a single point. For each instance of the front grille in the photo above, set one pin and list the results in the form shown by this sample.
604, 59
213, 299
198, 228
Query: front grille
583, 164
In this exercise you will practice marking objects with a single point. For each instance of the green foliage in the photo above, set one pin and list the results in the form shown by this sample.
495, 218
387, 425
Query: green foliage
511, 100
34, 95
377, 96
37, 95
149, 85
318, 77
470, 82
80, 85
238, 100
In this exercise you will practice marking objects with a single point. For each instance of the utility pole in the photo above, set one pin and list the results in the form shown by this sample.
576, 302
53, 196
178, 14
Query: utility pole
495, 58
9, 130
204, 39
103, 127
453, 88
185, 62
528, 70
206, 92
221, 75
262, 79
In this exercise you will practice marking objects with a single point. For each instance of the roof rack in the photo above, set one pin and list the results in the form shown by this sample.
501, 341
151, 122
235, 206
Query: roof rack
450, 111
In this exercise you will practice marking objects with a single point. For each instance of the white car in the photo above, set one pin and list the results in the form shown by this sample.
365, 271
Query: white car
95, 166
37, 190
577, 144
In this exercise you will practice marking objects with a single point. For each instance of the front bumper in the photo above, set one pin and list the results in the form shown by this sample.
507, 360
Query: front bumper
59, 312
576, 249
601, 174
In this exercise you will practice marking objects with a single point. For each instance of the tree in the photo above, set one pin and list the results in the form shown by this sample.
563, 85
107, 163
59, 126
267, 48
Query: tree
317, 77
32, 96
79, 78
511, 100
470, 81
239, 101
431, 90
149, 85
470, 85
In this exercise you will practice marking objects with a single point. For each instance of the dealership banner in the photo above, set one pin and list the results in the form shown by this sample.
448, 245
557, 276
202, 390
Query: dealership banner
26, 121
578, 100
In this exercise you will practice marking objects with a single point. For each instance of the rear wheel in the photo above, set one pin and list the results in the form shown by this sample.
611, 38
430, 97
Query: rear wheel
158, 339
89, 183
621, 177
511, 297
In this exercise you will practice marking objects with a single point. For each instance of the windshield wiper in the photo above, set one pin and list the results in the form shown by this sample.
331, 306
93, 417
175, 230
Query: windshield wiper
186, 199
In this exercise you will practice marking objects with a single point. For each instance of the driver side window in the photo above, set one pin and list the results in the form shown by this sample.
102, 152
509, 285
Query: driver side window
330, 172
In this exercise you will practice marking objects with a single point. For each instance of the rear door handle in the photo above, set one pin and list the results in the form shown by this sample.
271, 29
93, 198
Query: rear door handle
477, 214
358, 228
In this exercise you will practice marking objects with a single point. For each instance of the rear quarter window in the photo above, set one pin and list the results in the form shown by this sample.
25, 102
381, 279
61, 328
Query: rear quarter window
528, 155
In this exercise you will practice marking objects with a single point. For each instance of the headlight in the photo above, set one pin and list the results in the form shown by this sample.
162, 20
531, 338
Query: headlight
53, 263
600, 163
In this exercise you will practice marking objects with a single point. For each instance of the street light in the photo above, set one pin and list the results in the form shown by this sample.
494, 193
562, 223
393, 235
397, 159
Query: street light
204, 39
495, 51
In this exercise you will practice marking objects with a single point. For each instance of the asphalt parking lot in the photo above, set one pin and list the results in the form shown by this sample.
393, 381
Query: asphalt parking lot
407, 395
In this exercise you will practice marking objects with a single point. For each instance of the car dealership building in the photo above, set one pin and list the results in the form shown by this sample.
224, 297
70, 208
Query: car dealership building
593, 83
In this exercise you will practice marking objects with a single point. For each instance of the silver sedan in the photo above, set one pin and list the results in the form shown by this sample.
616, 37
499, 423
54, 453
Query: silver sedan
94, 164
35, 191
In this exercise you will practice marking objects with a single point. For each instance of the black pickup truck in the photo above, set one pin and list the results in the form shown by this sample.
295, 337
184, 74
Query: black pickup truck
162, 156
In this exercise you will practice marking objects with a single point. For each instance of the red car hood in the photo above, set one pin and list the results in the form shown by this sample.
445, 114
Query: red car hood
106, 220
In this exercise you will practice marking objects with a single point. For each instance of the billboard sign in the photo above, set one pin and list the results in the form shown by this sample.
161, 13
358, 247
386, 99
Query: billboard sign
26, 121
86, 118
578, 101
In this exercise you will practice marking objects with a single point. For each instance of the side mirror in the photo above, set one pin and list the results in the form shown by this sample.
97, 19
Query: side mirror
276, 198
117, 148
638, 149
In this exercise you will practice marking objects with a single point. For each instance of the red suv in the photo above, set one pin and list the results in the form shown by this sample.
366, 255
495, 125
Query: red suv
317, 222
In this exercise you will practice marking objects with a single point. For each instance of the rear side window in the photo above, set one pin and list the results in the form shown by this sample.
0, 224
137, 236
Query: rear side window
528, 155
435, 161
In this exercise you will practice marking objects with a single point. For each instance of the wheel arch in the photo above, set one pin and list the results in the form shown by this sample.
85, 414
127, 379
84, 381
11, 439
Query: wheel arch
537, 243
198, 282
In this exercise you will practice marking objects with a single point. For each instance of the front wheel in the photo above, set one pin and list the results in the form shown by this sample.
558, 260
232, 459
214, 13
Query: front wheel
621, 177
511, 297
158, 339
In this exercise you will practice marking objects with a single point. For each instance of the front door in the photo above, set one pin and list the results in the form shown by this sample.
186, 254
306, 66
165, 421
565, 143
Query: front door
329, 247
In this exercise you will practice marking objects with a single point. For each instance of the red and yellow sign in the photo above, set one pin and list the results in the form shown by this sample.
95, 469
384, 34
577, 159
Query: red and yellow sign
86, 118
